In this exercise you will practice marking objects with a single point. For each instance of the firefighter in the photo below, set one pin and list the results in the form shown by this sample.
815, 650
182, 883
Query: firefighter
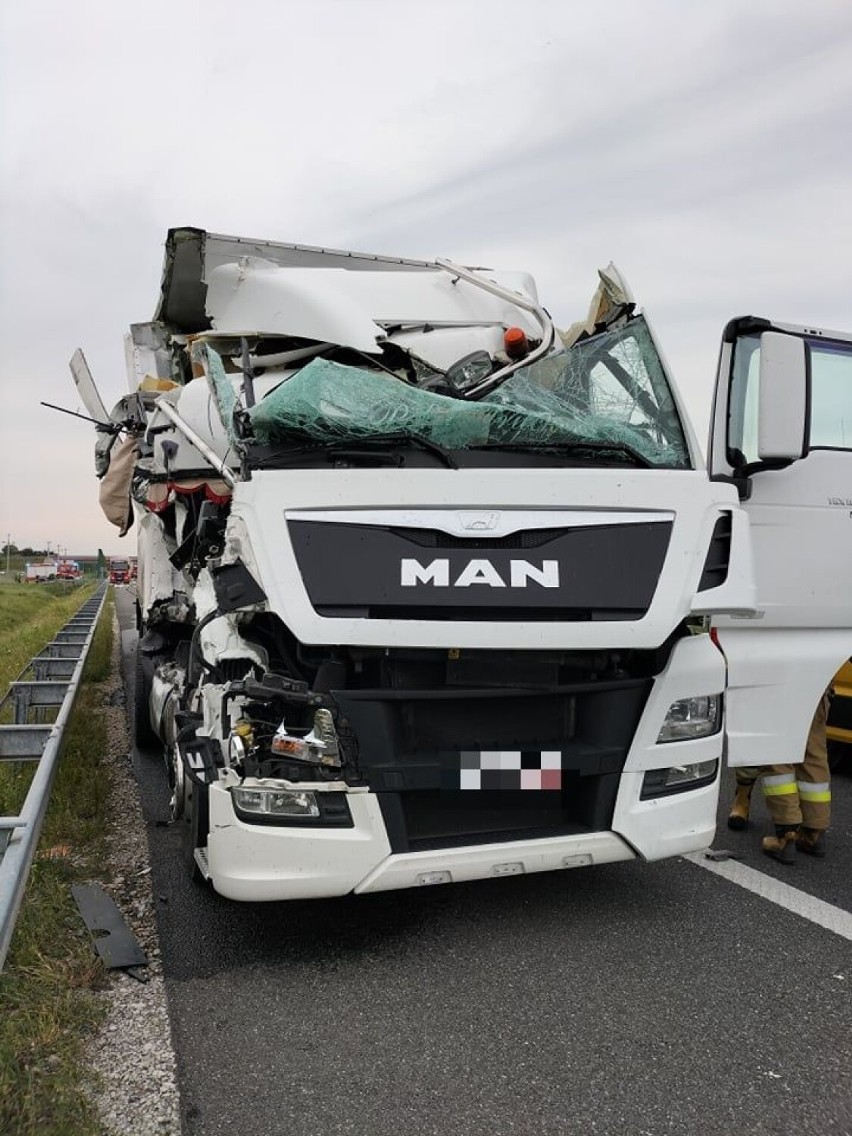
798, 797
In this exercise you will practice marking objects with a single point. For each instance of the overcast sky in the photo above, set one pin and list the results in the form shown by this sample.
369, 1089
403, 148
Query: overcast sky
705, 148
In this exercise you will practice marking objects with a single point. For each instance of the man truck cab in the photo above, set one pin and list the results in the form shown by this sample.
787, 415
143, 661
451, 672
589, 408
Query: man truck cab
425, 585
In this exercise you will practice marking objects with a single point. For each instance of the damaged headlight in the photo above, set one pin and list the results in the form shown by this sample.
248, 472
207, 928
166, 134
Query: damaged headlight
692, 718
469, 371
319, 747
268, 802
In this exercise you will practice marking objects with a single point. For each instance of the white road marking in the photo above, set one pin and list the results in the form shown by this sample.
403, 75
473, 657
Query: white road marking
767, 887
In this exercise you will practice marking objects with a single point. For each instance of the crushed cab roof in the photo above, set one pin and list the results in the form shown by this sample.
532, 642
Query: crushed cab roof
192, 254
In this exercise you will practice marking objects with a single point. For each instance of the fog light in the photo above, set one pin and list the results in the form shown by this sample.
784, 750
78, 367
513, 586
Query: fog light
276, 802
677, 778
692, 718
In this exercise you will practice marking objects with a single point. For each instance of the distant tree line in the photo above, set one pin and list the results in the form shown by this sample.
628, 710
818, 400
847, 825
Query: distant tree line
13, 550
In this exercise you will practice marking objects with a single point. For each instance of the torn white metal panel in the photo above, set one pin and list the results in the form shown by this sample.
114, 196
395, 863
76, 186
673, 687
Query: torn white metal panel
346, 308
441, 298
204, 596
158, 582
147, 354
220, 640
255, 296
612, 292
192, 255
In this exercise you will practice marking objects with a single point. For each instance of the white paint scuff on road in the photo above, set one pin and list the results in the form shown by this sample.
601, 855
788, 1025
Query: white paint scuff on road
767, 887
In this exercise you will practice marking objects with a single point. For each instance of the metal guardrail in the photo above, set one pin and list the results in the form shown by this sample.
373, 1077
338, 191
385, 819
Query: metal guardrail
56, 674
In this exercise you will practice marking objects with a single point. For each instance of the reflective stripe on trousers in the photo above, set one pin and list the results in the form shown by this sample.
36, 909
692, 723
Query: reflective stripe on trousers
777, 784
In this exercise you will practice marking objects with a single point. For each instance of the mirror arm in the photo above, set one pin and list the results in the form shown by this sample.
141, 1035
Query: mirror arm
742, 475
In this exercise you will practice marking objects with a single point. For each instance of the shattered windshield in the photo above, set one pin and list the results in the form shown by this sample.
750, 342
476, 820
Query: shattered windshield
607, 393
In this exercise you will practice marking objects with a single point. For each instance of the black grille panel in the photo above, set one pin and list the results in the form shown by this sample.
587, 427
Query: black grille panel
409, 754
592, 572
425, 821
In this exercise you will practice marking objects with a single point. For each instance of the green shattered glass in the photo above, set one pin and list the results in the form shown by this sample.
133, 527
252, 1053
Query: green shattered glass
606, 390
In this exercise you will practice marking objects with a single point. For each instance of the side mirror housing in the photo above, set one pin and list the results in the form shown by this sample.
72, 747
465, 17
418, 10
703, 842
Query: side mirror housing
783, 410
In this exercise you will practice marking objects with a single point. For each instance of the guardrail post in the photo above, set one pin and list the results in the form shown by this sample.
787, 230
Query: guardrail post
22, 705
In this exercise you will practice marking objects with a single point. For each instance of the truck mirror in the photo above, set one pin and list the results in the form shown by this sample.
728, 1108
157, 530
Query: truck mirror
783, 410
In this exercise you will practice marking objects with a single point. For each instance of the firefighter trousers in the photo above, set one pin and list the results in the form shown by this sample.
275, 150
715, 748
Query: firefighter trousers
798, 794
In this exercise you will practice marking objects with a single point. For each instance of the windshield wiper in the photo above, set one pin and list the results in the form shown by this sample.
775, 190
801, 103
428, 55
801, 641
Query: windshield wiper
358, 447
281, 458
574, 448
401, 436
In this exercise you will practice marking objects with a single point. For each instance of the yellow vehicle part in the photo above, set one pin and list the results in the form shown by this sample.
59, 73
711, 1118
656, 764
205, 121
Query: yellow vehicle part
839, 731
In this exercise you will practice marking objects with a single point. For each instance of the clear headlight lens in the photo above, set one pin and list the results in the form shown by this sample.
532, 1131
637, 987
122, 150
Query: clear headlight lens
677, 778
268, 802
692, 718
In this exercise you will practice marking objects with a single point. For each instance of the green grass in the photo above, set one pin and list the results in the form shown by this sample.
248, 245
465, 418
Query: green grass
47, 1007
30, 616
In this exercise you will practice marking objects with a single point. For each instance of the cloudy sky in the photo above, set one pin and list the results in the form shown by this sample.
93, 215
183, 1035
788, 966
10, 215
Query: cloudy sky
705, 148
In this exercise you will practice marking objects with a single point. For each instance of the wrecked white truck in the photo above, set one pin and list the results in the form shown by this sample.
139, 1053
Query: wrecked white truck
421, 579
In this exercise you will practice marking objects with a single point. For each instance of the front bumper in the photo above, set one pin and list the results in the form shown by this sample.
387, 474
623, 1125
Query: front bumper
255, 863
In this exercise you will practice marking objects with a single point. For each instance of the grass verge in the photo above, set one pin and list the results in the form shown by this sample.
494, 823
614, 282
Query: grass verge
47, 1005
30, 616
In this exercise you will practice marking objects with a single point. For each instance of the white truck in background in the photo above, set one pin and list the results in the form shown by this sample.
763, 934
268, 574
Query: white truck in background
425, 585
40, 573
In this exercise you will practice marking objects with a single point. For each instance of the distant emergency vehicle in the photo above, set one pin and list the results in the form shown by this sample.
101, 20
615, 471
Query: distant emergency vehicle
119, 570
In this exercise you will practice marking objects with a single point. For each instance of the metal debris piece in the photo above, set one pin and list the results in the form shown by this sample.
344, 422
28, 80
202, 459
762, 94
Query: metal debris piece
137, 973
717, 854
114, 941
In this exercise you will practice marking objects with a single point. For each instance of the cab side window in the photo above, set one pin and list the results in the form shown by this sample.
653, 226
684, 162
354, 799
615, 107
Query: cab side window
831, 398
831, 395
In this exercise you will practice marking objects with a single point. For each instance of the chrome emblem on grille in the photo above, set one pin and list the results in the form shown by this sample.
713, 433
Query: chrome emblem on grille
479, 522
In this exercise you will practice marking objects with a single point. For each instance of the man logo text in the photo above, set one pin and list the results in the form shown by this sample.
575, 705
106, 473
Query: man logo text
437, 574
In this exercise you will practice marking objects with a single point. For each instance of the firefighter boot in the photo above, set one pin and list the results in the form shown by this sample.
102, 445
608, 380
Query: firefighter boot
781, 846
812, 841
738, 816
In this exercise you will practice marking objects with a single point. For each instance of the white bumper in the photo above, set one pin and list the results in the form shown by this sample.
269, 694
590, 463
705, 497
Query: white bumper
261, 862
264, 862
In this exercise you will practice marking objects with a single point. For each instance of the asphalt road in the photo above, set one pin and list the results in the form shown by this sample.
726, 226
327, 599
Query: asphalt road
631, 998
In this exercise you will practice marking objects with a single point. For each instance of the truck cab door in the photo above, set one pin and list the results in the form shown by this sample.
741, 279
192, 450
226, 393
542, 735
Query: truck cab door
781, 431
